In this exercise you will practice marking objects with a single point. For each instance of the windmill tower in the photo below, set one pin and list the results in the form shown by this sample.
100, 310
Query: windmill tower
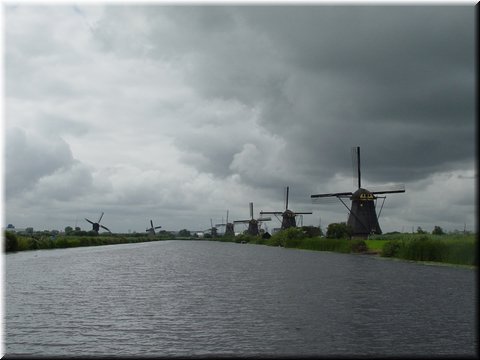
228, 227
288, 216
363, 217
152, 228
96, 225
253, 224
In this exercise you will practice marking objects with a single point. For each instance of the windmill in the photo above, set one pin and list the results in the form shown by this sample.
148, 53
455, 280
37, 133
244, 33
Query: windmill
288, 216
152, 228
96, 225
212, 230
252, 223
228, 227
363, 217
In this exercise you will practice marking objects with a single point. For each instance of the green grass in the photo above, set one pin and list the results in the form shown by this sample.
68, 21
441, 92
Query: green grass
22, 243
452, 249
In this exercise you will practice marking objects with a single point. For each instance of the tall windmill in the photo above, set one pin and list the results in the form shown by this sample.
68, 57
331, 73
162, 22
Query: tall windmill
152, 228
96, 225
288, 216
228, 227
252, 223
363, 218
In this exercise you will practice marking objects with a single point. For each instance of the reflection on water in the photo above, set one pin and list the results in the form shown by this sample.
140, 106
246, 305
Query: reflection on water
199, 297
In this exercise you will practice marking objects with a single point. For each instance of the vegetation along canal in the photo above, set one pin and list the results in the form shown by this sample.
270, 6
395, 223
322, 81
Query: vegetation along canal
168, 298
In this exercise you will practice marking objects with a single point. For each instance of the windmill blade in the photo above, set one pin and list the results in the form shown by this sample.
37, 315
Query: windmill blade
251, 210
101, 216
303, 213
157, 227
241, 221
388, 189
356, 166
264, 219
151, 224
286, 199
341, 194
104, 227
271, 212
327, 200
91, 222
227, 218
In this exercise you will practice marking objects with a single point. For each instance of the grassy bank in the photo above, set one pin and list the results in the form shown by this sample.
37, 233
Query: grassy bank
14, 242
452, 249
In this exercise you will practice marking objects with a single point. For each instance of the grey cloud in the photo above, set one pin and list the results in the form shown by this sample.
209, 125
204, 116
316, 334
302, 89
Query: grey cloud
29, 158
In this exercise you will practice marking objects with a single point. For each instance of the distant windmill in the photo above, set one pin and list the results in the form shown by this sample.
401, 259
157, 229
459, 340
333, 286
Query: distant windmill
288, 216
96, 225
228, 227
212, 230
363, 217
253, 224
152, 228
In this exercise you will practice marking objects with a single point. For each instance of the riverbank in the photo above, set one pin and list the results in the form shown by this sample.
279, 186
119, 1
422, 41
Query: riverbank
448, 249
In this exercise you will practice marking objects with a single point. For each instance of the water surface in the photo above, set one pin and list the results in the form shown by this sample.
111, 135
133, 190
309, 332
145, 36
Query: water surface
210, 298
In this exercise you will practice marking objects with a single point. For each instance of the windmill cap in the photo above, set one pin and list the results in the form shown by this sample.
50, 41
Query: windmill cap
363, 194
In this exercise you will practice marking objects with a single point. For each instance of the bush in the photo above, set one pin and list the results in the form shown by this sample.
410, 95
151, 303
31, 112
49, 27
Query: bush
339, 231
391, 249
290, 237
11, 242
358, 246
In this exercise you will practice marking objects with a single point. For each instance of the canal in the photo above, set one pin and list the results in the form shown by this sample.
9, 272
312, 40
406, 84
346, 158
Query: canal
193, 298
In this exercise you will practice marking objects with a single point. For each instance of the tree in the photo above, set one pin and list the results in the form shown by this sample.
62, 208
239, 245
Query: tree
339, 231
68, 230
184, 233
11, 242
312, 231
437, 230
420, 230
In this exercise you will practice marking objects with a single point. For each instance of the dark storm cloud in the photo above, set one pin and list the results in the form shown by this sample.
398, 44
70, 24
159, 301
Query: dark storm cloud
396, 81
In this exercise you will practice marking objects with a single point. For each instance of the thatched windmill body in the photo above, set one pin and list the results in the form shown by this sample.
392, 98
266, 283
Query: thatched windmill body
229, 230
253, 224
96, 225
288, 216
152, 228
363, 218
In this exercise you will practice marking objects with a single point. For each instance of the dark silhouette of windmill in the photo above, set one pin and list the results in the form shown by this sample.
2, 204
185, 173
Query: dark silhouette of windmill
253, 224
212, 230
228, 227
152, 228
363, 218
288, 216
96, 225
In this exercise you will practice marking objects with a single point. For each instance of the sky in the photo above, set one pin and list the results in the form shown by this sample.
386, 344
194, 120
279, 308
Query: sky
178, 113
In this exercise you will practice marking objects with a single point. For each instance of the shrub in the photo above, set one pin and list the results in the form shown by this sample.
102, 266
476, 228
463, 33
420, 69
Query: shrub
11, 242
391, 249
339, 231
290, 237
358, 246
